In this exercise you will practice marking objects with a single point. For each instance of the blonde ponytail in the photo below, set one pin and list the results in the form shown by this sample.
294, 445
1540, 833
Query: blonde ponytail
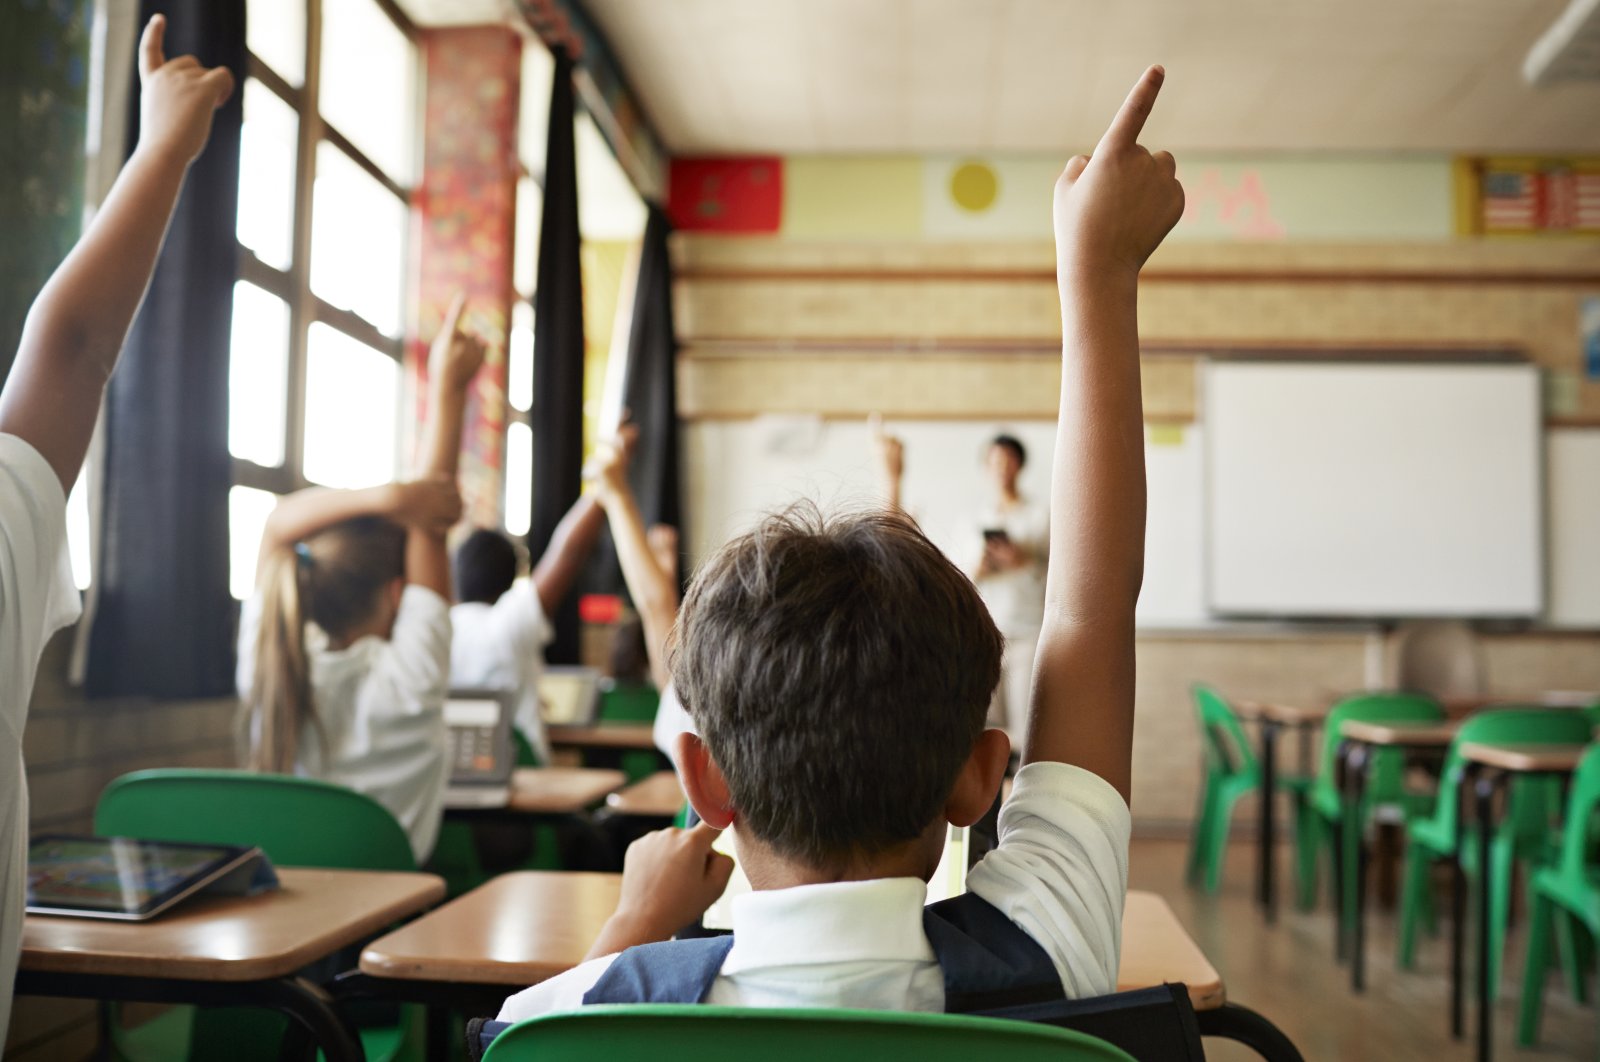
280, 693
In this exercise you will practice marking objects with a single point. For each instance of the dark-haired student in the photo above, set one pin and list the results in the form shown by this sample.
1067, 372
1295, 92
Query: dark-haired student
70, 344
501, 624
839, 672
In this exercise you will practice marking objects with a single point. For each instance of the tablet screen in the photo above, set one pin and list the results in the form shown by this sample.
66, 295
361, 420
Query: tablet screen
116, 874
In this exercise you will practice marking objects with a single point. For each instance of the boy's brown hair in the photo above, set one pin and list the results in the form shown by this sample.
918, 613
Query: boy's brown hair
839, 671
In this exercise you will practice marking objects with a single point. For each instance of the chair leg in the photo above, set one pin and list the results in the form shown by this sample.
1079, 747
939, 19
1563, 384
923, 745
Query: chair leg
1413, 898
1531, 1007
1217, 846
1201, 834
1570, 939
1307, 839
1498, 882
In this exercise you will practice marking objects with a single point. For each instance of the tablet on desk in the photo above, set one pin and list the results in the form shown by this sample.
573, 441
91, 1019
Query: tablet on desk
123, 878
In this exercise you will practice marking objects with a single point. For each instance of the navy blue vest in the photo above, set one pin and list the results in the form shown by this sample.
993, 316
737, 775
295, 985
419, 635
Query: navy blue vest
988, 963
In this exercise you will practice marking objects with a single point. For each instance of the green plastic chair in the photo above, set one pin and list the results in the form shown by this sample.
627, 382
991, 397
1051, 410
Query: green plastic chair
1569, 889
1522, 835
1321, 815
698, 1033
631, 702
296, 822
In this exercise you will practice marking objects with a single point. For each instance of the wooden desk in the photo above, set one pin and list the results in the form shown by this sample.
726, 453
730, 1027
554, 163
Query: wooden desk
1400, 735
527, 927
603, 736
658, 797
1489, 766
561, 790
1283, 714
235, 950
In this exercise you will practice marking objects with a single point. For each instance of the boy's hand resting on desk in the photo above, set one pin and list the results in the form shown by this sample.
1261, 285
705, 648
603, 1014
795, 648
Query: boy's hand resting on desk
431, 505
669, 878
1112, 209
178, 97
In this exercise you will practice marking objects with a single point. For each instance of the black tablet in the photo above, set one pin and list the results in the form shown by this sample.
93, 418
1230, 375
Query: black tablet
119, 877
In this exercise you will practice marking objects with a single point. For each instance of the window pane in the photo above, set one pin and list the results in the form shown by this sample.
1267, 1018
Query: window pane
609, 208
519, 478
366, 91
533, 133
352, 399
248, 510
267, 145
519, 376
78, 532
276, 32
258, 375
358, 231
525, 248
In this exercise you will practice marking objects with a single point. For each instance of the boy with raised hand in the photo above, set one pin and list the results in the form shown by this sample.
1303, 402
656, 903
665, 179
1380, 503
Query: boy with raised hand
70, 345
839, 672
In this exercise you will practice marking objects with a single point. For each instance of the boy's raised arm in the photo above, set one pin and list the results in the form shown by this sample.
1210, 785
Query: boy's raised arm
1111, 211
77, 325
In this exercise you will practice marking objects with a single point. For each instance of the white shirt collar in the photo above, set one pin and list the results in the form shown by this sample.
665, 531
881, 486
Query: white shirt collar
849, 921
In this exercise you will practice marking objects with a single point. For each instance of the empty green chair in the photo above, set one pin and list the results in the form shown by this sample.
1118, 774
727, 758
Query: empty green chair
694, 1033
1566, 892
296, 822
1522, 834
1321, 815
631, 702
1231, 771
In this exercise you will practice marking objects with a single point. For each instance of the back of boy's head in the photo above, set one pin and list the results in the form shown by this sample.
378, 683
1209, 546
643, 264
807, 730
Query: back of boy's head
839, 671
486, 566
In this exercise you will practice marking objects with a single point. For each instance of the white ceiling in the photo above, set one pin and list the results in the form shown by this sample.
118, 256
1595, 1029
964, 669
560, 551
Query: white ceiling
861, 76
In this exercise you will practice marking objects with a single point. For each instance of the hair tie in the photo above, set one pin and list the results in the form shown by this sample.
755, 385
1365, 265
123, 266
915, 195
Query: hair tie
302, 553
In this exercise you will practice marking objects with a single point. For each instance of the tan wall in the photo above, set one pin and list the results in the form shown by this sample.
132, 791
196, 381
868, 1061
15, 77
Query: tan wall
73, 747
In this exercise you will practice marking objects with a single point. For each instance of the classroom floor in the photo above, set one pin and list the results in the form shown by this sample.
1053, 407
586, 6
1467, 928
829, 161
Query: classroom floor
1287, 972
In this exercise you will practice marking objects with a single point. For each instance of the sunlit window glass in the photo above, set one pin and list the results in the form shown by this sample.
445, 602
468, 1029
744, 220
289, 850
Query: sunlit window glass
609, 207
266, 175
519, 478
525, 248
538, 74
275, 32
248, 510
258, 375
357, 241
366, 89
519, 381
352, 397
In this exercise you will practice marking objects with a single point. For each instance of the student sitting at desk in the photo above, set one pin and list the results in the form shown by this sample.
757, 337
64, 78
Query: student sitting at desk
344, 649
839, 672
501, 625
70, 345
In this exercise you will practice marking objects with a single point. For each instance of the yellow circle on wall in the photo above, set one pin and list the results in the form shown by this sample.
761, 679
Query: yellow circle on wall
974, 186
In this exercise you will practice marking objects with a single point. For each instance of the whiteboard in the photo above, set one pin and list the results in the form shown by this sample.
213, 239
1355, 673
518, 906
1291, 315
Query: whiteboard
1346, 490
737, 470
1572, 475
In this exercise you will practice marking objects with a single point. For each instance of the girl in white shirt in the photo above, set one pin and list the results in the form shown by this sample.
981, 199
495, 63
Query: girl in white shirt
344, 650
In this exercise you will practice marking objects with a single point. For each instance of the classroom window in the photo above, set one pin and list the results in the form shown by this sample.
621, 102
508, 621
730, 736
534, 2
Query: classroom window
519, 370
519, 475
327, 160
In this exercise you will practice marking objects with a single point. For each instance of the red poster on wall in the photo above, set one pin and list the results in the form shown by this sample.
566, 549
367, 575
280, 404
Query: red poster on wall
726, 194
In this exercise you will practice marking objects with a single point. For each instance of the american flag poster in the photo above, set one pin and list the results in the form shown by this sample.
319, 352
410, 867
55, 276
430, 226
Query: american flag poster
1554, 198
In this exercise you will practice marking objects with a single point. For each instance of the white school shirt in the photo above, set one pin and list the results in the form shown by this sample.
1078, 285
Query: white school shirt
37, 598
381, 708
1060, 873
1016, 597
501, 647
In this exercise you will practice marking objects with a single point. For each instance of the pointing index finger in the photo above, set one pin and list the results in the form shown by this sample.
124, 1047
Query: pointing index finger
1126, 126
452, 316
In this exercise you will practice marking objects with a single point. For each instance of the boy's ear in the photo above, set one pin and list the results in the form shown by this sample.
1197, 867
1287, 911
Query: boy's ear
703, 783
979, 780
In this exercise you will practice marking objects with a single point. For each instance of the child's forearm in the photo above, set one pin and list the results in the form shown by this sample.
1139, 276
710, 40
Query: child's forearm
654, 591
304, 513
440, 454
569, 546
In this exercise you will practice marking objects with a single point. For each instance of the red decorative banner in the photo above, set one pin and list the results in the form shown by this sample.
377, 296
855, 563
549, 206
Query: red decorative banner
726, 194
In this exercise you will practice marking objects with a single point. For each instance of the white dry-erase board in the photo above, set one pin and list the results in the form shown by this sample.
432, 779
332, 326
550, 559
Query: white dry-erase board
1350, 490
1572, 476
736, 470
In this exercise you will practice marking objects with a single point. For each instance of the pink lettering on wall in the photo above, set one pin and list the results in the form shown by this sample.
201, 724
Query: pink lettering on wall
1244, 209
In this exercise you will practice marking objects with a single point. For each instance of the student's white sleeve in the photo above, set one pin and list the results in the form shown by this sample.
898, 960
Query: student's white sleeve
672, 719
249, 627
417, 657
1060, 871
518, 620
565, 992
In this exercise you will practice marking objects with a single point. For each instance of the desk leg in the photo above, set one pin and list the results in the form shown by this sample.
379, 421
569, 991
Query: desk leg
312, 1007
1269, 816
1484, 789
1361, 757
1458, 906
1341, 780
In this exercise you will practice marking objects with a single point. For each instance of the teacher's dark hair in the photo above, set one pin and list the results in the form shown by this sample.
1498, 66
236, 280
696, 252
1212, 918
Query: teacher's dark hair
1014, 444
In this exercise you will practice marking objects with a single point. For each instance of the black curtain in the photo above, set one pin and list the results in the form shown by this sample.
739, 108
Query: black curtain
164, 620
558, 350
651, 388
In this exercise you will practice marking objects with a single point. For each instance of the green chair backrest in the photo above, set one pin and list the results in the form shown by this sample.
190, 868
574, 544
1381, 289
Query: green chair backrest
698, 1033
295, 821
1538, 726
1227, 748
628, 702
526, 757
1398, 708
1574, 862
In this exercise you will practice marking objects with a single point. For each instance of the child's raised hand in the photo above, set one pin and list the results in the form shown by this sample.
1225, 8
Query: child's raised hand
669, 878
431, 505
608, 467
178, 96
891, 450
1114, 208
457, 354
